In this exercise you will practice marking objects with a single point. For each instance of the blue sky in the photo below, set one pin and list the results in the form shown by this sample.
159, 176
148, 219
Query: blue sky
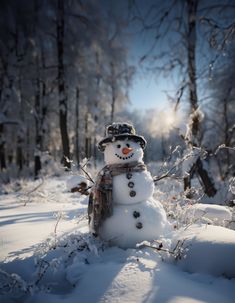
148, 93
147, 90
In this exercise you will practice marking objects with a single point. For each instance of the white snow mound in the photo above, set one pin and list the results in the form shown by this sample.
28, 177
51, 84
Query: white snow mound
207, 249
215, 214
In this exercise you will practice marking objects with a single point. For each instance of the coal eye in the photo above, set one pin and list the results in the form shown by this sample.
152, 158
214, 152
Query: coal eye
118, 146
128, 145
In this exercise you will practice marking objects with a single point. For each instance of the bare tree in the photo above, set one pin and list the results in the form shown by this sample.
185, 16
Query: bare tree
176, 50
222, 126
48, 54
77, 117
63, 107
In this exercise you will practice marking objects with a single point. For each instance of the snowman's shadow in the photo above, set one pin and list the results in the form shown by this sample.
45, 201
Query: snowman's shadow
105, 276
171, 284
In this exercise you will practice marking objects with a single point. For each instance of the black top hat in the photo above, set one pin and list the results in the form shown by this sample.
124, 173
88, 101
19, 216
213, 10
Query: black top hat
120, 131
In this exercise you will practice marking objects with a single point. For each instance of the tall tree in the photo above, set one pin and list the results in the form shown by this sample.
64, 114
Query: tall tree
221, 105
63, 106
57, 50
176, 51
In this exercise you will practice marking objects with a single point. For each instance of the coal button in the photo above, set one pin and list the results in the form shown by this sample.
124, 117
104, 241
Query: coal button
132, 193
129, 176
136, 214
131, 184
139, 225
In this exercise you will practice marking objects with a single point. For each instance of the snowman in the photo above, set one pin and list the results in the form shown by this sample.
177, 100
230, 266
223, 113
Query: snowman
122, 210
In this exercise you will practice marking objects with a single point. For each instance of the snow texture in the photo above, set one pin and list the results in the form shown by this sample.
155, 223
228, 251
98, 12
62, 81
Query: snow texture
122, 227
208, 213
38, 265
208, 249
143, 186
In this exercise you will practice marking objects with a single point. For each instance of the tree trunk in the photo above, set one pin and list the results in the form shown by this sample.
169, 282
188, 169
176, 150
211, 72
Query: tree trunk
163, 148
113, 91
87, 137
77, 144
193, 97
226, 133
38, 135
19, 154
61, 85
208, 185
2, 141
40, 117
192, 39
206, 181
2, 148
44, 107
27, 153
10, 156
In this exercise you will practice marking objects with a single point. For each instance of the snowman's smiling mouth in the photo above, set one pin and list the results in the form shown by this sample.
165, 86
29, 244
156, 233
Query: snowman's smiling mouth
124, 158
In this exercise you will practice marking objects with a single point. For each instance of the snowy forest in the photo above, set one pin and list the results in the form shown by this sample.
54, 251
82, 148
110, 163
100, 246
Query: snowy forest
66, 73
70, 70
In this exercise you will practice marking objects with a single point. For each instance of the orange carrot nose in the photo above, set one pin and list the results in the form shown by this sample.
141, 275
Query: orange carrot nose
126, 150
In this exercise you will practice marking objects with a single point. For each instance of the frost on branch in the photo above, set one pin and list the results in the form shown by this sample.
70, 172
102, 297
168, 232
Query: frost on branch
55, 265
195, 120
194, 164
12, 283
190, 158
232, 185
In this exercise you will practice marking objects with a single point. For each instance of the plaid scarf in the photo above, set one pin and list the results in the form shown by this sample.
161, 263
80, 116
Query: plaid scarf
100, 204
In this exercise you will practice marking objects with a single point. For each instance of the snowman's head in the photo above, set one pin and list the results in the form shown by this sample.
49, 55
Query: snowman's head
123, 151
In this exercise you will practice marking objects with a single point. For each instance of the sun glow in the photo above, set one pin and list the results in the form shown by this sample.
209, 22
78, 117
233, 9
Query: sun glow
162, 122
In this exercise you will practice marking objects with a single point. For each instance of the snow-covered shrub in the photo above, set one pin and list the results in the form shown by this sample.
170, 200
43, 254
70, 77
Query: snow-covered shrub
56, 265
49, 165
13, 284
208, 214
232, 185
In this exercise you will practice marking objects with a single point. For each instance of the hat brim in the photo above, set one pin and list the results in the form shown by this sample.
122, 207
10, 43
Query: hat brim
140, 139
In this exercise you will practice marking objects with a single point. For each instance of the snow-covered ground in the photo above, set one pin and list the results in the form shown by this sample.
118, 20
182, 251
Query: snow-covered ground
47, 254
28, 218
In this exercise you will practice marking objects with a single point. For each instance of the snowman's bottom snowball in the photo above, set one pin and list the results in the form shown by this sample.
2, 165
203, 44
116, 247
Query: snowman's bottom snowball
134, 223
